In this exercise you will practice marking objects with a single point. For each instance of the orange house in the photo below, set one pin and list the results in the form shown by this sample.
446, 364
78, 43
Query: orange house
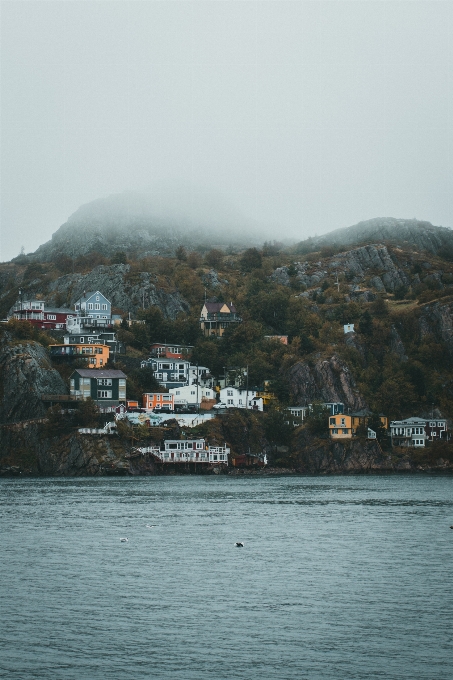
155, 401
95, 355
344, 426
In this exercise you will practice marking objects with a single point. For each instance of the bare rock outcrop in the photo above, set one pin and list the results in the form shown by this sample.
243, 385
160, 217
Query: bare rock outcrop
330, 457
404, 232
126, 291
328, 380
437, 319
396, 344
26, 374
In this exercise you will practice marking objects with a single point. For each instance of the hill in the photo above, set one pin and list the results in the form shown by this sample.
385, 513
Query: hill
399, 360
135, 224
409, 234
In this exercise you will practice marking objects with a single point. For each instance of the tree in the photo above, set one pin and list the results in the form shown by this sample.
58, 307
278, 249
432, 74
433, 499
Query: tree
251, 259
119, 258
181, 253
214, 257
277, 429
379, 308
87, 414
317, 422
366, 323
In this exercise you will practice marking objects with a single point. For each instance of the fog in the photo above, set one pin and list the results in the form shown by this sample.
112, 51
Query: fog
294, 117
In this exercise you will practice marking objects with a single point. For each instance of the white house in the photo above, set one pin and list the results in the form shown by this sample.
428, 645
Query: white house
236, 397
191, 395
201, 375
348, 328
409, 432
169, 372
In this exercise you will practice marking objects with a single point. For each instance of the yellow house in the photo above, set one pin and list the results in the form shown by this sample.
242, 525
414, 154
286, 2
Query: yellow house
345, 426
95, 355
266, 395
215, 318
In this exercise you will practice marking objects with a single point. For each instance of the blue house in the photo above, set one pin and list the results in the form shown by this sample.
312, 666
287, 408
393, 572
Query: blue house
94, 305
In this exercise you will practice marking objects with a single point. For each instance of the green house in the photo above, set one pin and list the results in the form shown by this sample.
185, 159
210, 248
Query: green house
106, 388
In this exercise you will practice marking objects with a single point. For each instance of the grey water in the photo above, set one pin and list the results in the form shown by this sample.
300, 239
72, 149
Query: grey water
339, 577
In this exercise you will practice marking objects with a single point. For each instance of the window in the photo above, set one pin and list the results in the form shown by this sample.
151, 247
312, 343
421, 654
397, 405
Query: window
77, 307
90, 305
165, 367
82, 339
230, 401
181, 367
97, 298
345, 432
104, 394
240, 401
441, 425
97, 305
178, 392
192, 391
332, 420
229, 393
104, 381
104, 307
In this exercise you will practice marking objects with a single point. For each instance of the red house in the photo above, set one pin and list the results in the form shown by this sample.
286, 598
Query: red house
39, 314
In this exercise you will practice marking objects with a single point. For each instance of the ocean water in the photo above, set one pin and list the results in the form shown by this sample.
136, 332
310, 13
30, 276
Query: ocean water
339, 578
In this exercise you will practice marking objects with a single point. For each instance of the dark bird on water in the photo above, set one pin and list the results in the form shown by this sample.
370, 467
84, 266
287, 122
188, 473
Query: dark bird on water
239, 544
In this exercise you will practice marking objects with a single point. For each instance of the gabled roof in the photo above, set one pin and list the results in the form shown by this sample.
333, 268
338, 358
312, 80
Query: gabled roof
99, 373
90, 293
213, 307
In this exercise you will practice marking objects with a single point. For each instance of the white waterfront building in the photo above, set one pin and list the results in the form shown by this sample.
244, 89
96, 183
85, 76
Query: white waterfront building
189, 451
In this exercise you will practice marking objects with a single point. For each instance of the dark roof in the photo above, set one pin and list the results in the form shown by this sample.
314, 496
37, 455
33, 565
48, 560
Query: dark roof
213, 307
59, 310
99, 373
359, 414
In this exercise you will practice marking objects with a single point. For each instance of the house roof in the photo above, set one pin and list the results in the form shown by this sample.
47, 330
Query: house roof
99, 373
58, 310
90, 293
213, 307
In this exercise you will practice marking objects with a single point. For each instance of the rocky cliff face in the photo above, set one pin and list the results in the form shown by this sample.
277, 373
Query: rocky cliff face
126, 291
413, 233
25, 449
328, 380
437, 319
372, 265
26, 374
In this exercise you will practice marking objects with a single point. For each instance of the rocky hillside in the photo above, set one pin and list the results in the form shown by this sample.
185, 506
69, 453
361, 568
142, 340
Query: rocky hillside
26, 374
411, 234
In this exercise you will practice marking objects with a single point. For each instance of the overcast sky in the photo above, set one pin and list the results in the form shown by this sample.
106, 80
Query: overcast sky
307, 116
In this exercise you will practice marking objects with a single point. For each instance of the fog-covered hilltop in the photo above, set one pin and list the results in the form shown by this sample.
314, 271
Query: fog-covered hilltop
141, 226
413, 233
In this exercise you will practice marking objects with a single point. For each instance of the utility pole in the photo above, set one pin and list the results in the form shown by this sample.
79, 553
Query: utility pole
337, 282
247, 395
198, 405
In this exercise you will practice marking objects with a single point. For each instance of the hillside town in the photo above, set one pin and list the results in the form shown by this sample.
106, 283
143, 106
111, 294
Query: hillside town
186, 392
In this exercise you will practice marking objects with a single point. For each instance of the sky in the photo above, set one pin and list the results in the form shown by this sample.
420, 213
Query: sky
301, 117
